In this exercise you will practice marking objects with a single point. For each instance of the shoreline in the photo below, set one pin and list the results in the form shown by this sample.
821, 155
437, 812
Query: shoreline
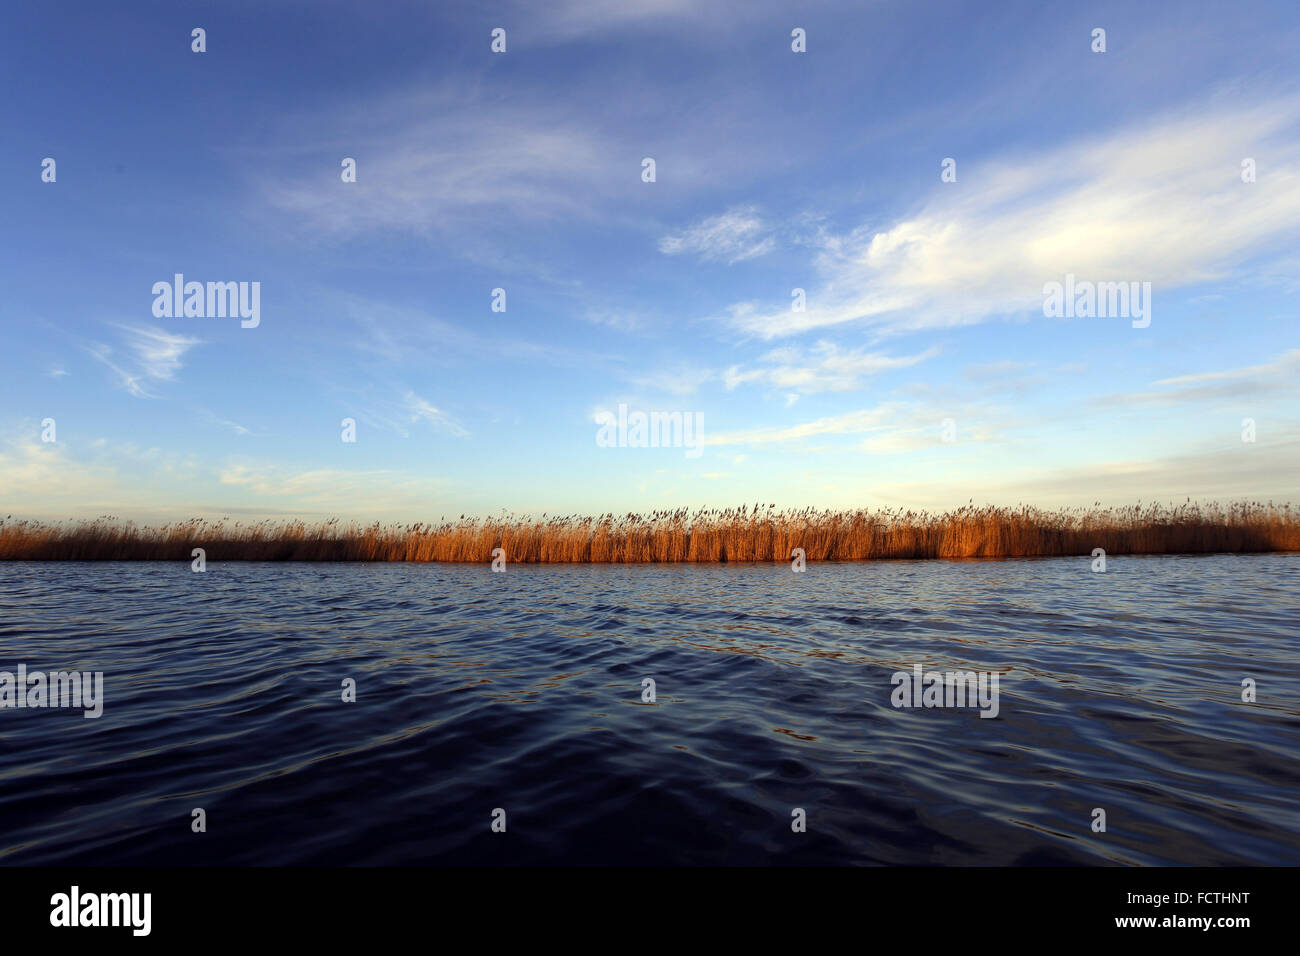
709, 536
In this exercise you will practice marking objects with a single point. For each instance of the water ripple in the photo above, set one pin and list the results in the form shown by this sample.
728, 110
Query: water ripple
523, 691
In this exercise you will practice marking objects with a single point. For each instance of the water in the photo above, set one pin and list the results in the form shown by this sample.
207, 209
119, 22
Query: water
522, 691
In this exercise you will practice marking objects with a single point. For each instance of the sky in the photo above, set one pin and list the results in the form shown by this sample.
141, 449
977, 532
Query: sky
922, 172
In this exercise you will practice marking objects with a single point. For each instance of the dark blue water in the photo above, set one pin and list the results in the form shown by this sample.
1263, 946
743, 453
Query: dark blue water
522, 691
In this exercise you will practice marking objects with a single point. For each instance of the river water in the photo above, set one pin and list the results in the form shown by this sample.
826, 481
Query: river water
523, 692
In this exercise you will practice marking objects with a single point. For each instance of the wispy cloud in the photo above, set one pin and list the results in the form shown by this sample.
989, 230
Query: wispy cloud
36, 471
235, 427
70, 479
1264, 471
335, 491
159, 353
429, 159
422, 411
824, 368
731, 237
890, 428
129, 380
848, 423
1161, 202
568, 20
154, 356
678, 380
474, 166
1286, 363
1252, 381
404, 335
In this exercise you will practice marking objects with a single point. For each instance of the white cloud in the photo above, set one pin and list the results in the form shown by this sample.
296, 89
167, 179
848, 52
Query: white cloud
890, 427
1235, 471
404, 335
923, 432
65, 480
731, 237
824, 368
1160, 202
464, 164
421, 411
1285, 363
128, 379
621, 320
1252, 381
313, 486
678, 380
37, 471
155, 357
159, 353
433, 160
848, 423
567, 20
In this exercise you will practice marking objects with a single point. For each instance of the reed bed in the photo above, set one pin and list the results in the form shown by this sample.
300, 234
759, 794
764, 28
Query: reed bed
745, 534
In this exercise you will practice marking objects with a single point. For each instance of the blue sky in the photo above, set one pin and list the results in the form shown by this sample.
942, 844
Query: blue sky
522, 170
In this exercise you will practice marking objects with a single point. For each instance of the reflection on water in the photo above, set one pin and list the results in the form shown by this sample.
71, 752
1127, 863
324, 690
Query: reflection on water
523, 691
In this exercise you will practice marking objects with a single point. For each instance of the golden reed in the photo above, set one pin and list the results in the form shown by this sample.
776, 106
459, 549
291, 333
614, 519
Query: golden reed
735, 534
